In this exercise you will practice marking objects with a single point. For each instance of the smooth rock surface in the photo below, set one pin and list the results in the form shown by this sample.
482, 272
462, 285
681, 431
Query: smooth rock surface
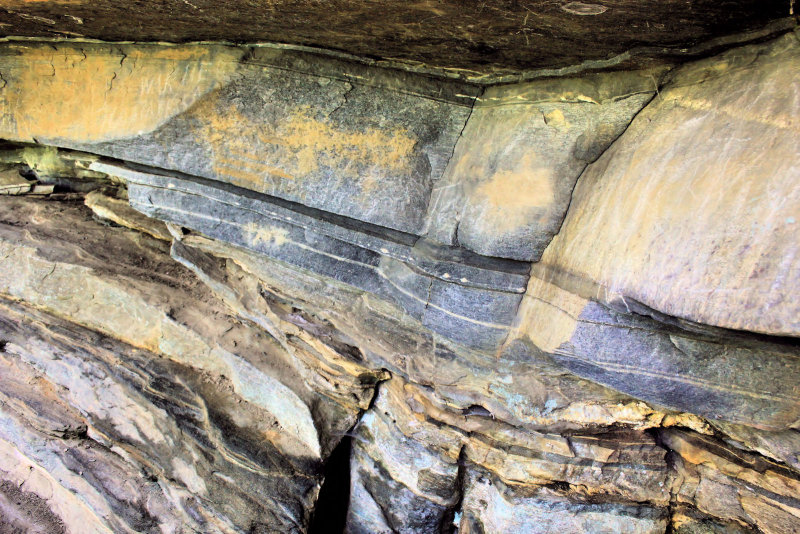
694, 210
510, 182
716, 374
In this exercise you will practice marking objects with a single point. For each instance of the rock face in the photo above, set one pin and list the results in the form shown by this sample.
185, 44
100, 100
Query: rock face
339, 136
723, 152
511, 178
305, 293
477, 40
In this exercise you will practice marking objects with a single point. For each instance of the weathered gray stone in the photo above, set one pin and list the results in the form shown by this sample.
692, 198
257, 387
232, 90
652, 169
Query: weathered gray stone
425, 288
329, 133
720, 375
508, 186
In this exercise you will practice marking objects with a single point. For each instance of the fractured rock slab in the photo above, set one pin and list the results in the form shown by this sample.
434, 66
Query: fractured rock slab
695, 210
471, 301
509, 184
325, 132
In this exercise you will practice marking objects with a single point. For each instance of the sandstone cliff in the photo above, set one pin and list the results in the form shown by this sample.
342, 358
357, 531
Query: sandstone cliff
261, 289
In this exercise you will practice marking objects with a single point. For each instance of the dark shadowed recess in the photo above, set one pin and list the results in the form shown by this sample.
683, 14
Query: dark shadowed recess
484, 36
330, 512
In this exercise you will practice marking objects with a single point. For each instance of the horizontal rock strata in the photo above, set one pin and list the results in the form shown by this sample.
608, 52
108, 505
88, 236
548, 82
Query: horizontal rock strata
301, 281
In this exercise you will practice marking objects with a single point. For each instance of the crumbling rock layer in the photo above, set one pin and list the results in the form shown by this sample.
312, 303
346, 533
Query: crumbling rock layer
561, 305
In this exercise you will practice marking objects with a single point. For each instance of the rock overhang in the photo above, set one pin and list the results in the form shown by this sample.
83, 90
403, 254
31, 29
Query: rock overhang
482, 41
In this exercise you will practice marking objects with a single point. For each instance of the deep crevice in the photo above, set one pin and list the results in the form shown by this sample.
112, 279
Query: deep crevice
333, 502
452, 518
330, 511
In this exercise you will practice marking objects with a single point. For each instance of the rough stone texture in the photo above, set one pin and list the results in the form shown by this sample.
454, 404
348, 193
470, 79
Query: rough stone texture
329, 133
473, 39
220, 382
111, 439
491, 506
215, 358
731, 484
508, 186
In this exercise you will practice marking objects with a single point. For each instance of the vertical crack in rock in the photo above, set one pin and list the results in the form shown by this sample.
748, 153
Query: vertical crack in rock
330, 509
657, 85
453, 517
475, 99
332, 505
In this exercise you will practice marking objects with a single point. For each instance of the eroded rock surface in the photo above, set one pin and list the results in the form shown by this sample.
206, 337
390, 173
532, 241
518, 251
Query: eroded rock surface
565, 305
478, 40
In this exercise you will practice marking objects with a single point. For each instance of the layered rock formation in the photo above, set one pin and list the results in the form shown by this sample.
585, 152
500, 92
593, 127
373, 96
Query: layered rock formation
303, 292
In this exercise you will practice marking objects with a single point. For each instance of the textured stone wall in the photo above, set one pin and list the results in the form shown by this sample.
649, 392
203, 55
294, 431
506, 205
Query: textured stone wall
255, 290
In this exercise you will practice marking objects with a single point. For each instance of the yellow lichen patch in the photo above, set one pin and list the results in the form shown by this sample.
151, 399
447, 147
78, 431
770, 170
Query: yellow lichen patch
511, 194
99, 93
252, 153
44, 160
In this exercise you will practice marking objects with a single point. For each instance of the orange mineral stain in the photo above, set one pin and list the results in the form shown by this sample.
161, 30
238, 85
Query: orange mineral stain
95, 93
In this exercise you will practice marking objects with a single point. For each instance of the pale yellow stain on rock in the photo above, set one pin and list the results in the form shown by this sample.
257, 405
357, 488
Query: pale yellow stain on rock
556, 119
263, 235
547, 315
511, 195
98, 93
45, 161
252, 153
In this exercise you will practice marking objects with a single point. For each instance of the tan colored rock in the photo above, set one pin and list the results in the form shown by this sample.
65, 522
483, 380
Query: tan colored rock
11, 183
733, 484
319, 130
195, 381
90, 93
237, 380
694, 210
491, 506
120, 212
508, 185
